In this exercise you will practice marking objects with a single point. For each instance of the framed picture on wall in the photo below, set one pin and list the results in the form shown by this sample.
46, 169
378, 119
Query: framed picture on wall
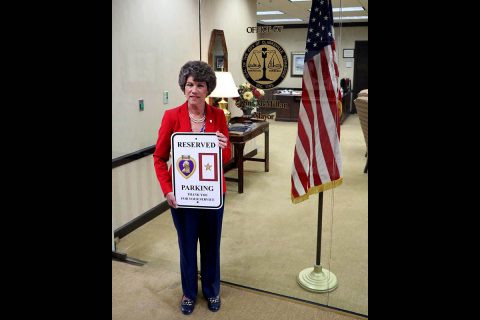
297, 64
219, 63
348, 53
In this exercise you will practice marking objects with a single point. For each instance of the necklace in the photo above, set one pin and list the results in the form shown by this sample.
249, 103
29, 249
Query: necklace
194, 120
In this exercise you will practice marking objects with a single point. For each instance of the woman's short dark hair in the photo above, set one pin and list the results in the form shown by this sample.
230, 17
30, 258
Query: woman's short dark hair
200, 71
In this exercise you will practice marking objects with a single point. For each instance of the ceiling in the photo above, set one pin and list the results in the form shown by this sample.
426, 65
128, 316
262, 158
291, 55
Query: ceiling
300, 10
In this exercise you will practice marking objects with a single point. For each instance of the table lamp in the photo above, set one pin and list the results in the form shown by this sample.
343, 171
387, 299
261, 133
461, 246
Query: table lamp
225, 88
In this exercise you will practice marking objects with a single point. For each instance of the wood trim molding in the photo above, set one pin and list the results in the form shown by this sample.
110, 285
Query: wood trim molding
120, 161
213, 36
141, 220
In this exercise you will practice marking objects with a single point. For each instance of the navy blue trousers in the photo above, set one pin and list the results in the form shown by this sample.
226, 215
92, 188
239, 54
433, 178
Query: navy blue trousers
204, 226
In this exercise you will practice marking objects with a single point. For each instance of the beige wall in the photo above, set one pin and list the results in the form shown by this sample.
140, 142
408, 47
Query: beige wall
151, 39
293, 40
346, 38
135, 190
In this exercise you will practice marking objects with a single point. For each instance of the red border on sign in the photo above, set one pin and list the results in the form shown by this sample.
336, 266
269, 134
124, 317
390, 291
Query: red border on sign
200, 157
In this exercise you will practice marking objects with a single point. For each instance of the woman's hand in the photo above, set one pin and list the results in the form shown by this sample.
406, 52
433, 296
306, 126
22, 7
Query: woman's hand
222, 140
171, 200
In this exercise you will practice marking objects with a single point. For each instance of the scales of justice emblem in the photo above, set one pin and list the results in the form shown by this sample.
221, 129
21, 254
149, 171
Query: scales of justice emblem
186, 165
274, 62
264, 64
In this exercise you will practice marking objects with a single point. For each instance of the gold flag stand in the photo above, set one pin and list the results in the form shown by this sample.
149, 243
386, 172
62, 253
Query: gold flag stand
316, 278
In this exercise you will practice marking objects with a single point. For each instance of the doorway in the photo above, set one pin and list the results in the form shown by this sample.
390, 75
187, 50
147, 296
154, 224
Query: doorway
360, 68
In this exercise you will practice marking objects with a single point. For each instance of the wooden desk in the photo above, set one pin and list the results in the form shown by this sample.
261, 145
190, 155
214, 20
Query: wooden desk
293, 103
238, 142
346, 106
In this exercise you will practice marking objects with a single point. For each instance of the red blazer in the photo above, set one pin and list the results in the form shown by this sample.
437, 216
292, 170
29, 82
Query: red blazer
178, 120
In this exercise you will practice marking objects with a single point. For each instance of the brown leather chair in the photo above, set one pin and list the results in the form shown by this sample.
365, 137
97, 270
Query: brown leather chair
361, 103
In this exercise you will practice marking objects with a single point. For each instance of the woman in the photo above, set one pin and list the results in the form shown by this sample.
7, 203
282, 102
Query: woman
197, 80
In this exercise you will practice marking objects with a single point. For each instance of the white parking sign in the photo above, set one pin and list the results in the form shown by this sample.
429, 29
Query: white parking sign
197, 170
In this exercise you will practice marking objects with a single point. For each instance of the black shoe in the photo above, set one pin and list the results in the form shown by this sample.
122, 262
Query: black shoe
214, 303
187, 305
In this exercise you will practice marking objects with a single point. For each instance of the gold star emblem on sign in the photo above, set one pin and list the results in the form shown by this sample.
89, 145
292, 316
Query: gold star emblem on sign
208, 167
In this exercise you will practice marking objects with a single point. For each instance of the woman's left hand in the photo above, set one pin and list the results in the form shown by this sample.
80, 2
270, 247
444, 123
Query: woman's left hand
222, 140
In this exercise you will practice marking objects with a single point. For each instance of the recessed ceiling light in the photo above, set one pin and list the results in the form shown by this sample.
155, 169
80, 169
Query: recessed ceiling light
348, 9
261, 13
350, 18
281, 20
345, 9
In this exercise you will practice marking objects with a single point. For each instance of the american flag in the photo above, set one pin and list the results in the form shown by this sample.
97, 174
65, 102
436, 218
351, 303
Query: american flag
317, 164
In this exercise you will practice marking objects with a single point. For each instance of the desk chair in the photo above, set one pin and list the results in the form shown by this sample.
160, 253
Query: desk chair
361, 103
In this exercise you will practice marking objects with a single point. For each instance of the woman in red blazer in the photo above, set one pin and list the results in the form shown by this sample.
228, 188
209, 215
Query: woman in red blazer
197, 80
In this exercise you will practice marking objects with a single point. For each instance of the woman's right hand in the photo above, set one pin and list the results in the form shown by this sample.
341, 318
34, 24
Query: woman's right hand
171, 200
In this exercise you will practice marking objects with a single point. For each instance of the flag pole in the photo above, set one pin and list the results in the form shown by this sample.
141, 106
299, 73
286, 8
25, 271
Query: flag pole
317, 278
